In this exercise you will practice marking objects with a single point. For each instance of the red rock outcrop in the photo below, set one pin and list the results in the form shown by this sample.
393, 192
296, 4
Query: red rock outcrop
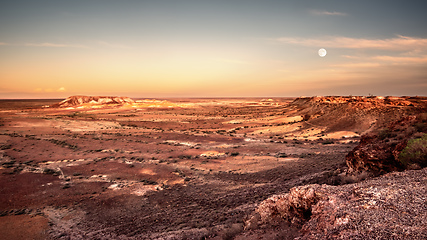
378, 152
389, 207
94, 100
294, 207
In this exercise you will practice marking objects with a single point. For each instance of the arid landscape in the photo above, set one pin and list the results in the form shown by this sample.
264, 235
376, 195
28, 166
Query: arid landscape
243, 168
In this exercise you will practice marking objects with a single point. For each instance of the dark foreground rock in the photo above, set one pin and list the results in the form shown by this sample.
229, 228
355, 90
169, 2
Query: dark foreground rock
393, 206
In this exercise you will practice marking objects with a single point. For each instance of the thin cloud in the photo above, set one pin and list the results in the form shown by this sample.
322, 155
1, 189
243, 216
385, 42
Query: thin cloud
233, 61
401, 60
358, 65
398, 43
327, 13
54, 45
114, 45
377, 61
383, 61
350, 57
49, 90
46, 44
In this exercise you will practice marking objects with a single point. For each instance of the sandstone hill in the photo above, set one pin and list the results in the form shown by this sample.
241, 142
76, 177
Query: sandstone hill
358, 114
74, 101
391, 206
387, 125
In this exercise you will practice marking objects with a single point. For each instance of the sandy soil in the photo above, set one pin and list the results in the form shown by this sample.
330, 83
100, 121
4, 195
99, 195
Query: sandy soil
165, 169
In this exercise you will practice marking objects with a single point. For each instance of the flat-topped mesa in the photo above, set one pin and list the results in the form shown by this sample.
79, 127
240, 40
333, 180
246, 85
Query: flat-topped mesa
92, 100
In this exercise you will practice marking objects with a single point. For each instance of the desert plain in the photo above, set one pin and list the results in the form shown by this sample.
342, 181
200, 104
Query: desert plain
173, 168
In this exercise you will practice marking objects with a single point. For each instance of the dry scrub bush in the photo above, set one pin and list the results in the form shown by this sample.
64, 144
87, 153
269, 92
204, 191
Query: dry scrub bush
415, 153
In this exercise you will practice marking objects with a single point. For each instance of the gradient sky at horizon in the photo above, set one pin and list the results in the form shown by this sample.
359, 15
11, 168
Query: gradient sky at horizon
202, 48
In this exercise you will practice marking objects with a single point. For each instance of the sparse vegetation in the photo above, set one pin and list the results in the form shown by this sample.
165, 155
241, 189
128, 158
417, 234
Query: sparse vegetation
5, 147
148, 182
385, 133
63, 143
328, 142
50, 171
415, 153
184, 156
420, 126
9, 164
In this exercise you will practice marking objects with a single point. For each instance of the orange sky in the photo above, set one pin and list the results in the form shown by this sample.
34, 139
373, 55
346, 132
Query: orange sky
210, 49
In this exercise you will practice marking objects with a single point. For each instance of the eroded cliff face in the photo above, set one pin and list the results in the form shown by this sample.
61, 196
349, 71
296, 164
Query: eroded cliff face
392, 206
74, 101
358, 114
360, 100
385, 123
379, 151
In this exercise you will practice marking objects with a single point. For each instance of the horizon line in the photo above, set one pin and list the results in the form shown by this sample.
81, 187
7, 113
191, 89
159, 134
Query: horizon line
222, 97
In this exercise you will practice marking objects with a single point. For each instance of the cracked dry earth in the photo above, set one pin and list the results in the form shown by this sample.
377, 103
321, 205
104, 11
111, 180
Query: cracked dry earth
176, 169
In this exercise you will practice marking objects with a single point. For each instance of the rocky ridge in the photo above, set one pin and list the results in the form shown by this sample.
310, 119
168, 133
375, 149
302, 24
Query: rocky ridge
379, 151
74, 101
356, 113
361, 100
391, 206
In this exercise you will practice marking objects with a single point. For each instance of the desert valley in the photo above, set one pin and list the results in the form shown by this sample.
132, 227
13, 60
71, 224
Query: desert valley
243, 168
219, 120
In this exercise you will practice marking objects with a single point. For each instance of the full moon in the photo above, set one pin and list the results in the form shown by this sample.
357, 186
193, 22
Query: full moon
322, 52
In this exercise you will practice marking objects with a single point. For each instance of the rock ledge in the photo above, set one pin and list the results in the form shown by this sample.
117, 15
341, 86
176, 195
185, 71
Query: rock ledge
393, 206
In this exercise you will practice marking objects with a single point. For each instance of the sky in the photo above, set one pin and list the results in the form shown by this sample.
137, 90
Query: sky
212, 48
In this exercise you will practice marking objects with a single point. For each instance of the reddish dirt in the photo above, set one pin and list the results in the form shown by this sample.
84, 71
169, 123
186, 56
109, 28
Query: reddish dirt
24, 227
156, 169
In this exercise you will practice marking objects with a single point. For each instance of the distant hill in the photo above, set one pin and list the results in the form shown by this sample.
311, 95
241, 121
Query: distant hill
92, 100
356, 113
